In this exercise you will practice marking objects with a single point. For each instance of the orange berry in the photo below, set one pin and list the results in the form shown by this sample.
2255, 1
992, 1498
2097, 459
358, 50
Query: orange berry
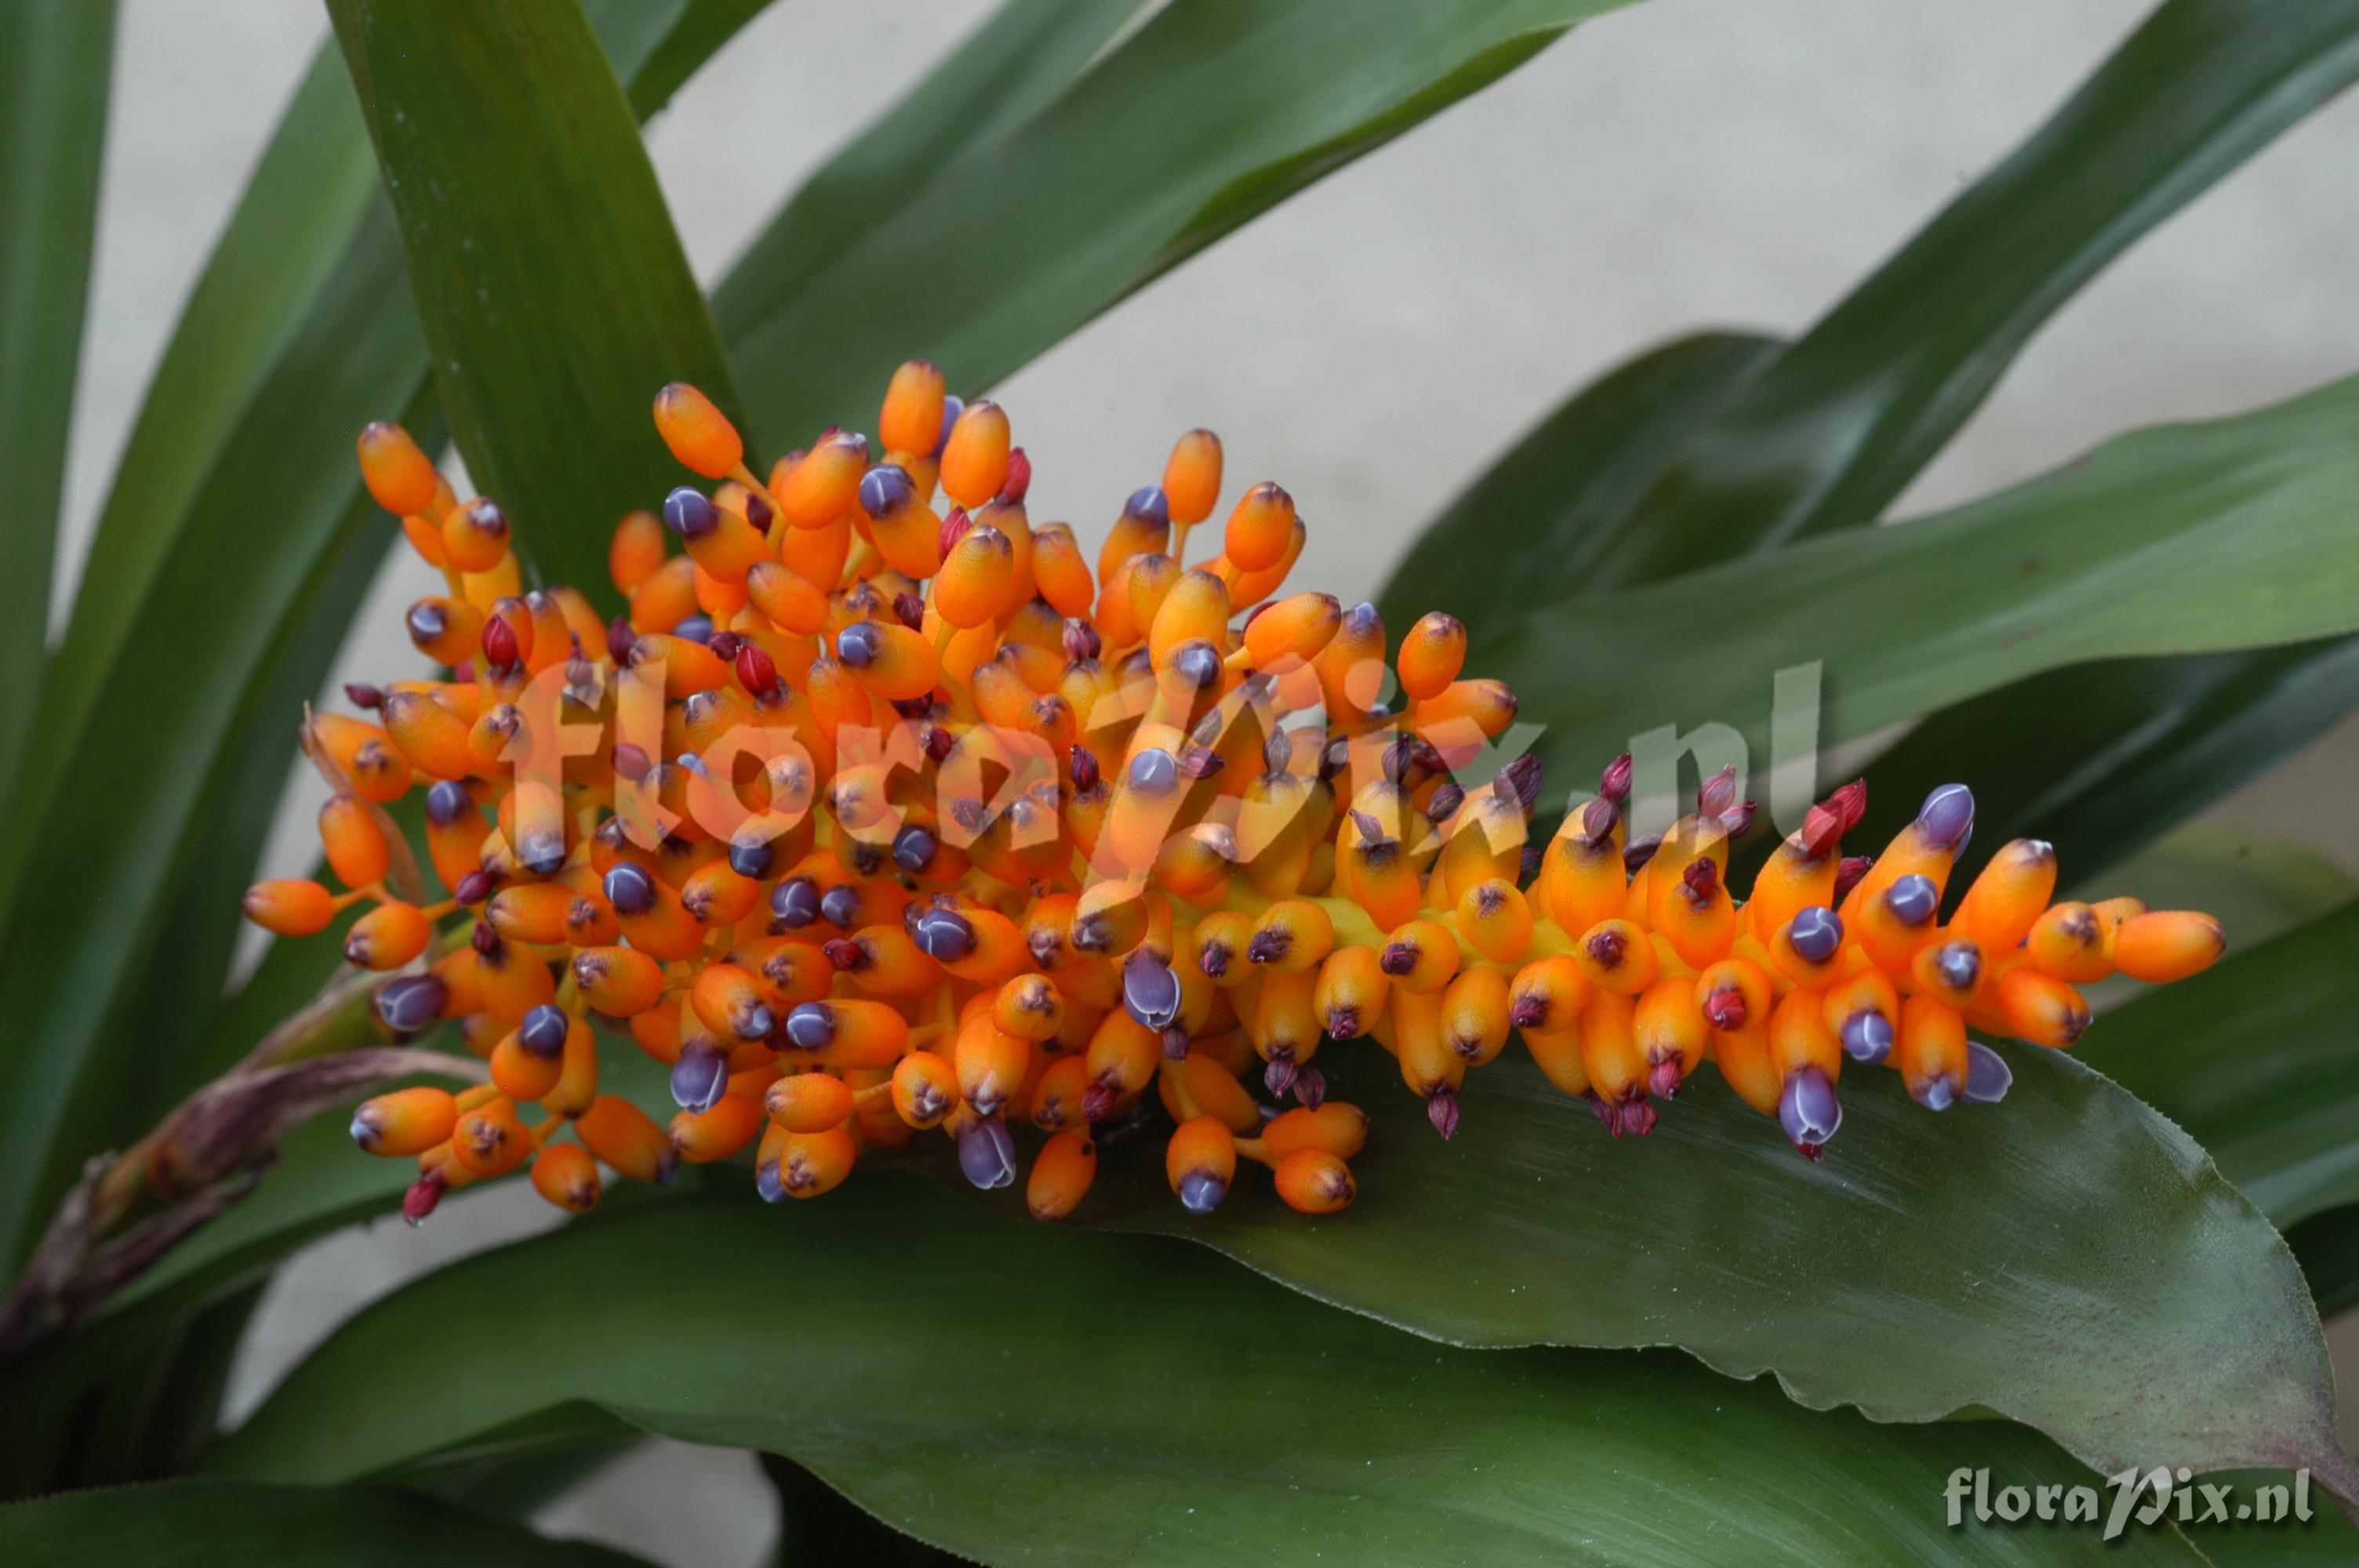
1191, 477
489, 1140
619, 982
2008, 897
1259, 528
1287, 634
1201, 1162
1028, 1007
405, 1121
1061, 1174
365, 754
2167, 944
911, 420
2040, 1008
699, 434
1313, 1181
2068, 942
974, 463
475, 536
809, 1102
809, 1164
977, 579
293, 907
1431, 655
925, 1089
637, 551
703, 1137
627, 1137
566, 1175
387, 936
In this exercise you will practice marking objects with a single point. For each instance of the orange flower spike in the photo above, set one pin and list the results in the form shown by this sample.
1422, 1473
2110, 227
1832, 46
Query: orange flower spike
1431, 654
405, 1121
1863, 1010
290, 906
1547, 995
387, 936
1801, 872
1029, 1008
1288, 634
792, 602
925, 1089
1697, 917
1583, 880
1926, 849
1192, 477
1259, 528
489, 1140
566, 1175
688, 666
1251, 586
1617, 1073
399, 476
975, 462
446, 631
912, 419
1668, 1030
475, 536
703, 1137
2112, 912
1474, 1013
1350, 994
1293, 937
888, 660
1931, 1052
618, 982
699, 436
625, 1137
847, 1032
636, 553
1194, 866
432, 737
1419, 957
807, 1164
652, 917
1200, 1162
2165, 945
2068, 943
509, 981
1284, 1023
366, 755
1488, 705
1493, 915
2040, 1008
1951, 971
809, 1102
1061, 1174
1999, 909
1616, 956
1111, 917
1312, 1181
1120, 1063
1060, 572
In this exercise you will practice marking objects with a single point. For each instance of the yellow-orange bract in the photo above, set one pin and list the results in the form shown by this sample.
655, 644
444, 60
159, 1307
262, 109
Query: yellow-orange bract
879, 811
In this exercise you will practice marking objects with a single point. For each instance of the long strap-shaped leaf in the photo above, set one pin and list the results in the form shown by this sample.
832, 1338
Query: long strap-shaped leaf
1095, 1398
160, 809
1829, 435
553, 289
55, 68
199, 1524
2179, 538
1207, 116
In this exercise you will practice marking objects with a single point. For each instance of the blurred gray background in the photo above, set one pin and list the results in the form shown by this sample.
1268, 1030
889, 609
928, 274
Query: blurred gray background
1371, 344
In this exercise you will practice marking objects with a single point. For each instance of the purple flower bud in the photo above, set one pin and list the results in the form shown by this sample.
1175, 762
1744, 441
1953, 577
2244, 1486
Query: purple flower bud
769, 1184
1913, 899
1960, 965
914, 848
750, 855
445, 803
1154, 772
1200, 1191
360, 693
629, 889
419, 1200
1638, 1118
1946, 820
1151, 991
1807, 1109
1083, 764
952, 408
1868, 1036
885, 489
858, 644
1441, 1109
986, 1154
1176, 1042
1148, 506
1521, 779
474, 887
1082, 642
542, 854
425, 622
1936, 1093
1988, 1077
621, 640
412, 1002
1310, 1087
543, 1032
700, 1077
840, 906
1197, 663
1278, 1074
810, 1026
1614, 784
944, 935
1815, 933
909, 611
688, 514
1445, 801
794, 903
695, 629
486, 940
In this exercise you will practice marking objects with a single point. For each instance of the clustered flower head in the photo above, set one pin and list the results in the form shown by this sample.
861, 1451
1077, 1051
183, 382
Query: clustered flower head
885, 810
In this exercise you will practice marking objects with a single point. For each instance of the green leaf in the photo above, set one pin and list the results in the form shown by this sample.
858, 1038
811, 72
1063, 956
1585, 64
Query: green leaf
1249, 100
1526, 532
2327, 1247
155, 809
2258, 1059
2176, 539
232, 1524
56, 64
1931, 1264
1098, 1399
2125, 749
554, 293
1838, 427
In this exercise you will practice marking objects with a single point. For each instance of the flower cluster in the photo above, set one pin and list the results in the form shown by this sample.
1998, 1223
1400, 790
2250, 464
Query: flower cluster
884, 809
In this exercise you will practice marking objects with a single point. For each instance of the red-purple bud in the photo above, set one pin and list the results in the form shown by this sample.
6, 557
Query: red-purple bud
474, 887
1848, 875
1718, 794
499, 642
1737, 821
844, 954
954, 527
620, 640
363, 695
1441, 1109
723, 645
1081, 641
757, 671
419, 1200
1638, 852
1083, 763
1701, 878
1614, 784
909, 611
1018, 481
1597, 820
1725, 1010
632, 763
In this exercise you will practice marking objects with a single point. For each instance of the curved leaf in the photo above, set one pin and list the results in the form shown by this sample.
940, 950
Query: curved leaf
1248, 101
56, 65
553, 290
1104, 1399
231, 1524
2174, 539
2124, 748
1838, 427
165, 817
1526, 532
2258, 1059
1931, 1264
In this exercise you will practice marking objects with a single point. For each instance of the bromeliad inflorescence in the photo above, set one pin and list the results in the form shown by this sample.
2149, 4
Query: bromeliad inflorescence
870, 818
